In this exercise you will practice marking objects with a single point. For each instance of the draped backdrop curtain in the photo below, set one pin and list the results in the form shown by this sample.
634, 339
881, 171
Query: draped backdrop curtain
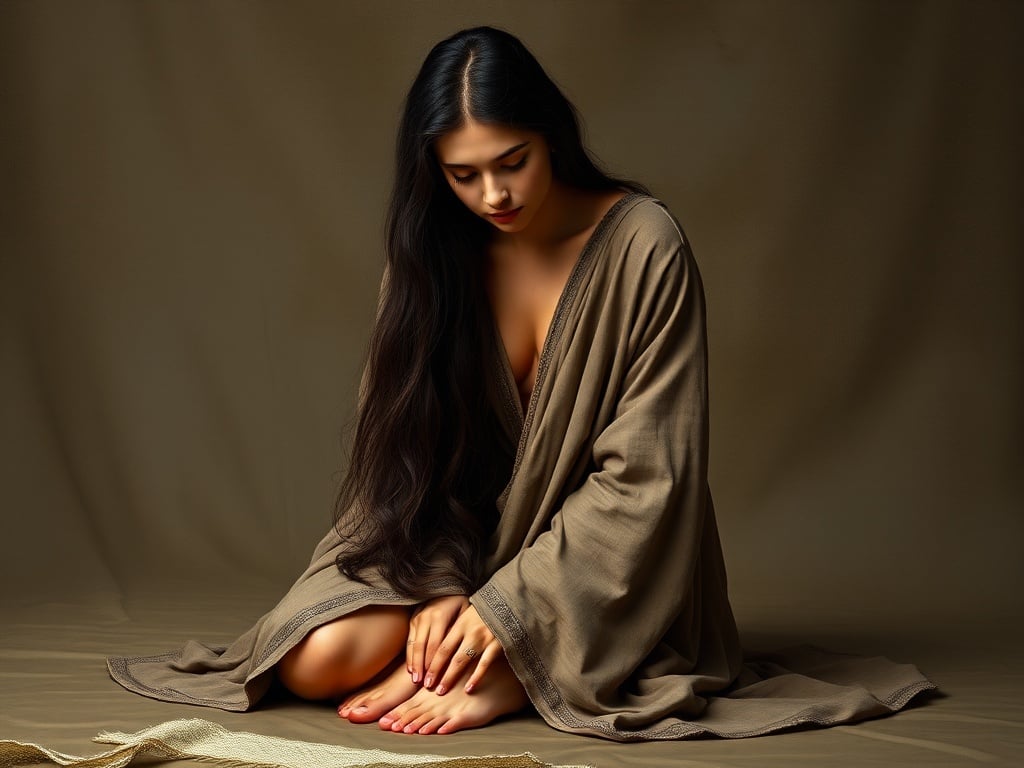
191, 210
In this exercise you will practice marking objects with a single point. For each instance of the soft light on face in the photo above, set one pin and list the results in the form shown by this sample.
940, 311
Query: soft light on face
501, 174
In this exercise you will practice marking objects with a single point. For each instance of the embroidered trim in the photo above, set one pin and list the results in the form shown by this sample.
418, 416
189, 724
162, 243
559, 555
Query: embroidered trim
369, 596
120, 667
373, 595
510, 397
565, 301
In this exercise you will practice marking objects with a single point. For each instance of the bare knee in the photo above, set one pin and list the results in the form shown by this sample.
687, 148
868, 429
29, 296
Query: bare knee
342, 655
313, 669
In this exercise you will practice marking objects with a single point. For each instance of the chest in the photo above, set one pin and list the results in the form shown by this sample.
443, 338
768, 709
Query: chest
524, 297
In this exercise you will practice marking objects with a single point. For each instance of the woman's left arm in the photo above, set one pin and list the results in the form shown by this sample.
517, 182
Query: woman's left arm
630, 552
635, 521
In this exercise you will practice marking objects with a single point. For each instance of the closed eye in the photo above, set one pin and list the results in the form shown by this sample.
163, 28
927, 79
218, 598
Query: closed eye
517, 165
466, 178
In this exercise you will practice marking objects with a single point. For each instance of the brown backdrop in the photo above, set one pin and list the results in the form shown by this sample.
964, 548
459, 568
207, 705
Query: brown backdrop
191, 206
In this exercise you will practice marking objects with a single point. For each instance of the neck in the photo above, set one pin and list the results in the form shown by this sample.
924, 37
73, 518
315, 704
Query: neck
565, 212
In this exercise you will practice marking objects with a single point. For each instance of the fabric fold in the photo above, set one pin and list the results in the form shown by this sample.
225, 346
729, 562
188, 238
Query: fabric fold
606, 583
209, 742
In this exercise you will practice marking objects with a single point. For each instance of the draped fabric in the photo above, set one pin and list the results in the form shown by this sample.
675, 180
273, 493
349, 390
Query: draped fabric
606, 584
190, 247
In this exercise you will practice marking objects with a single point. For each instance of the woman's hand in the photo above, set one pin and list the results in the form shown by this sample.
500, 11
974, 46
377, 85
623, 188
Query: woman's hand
469, 641
427, 630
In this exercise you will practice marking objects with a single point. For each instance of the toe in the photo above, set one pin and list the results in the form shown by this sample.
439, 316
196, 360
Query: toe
406, 713
361, 714
346, 706
458, 722
417, 723
433, 725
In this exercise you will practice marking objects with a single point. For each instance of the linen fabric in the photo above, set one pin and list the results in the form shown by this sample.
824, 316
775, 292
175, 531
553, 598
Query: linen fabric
606, 583
209, 742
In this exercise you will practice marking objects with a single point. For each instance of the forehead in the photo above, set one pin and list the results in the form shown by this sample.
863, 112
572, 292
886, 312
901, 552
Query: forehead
479, 144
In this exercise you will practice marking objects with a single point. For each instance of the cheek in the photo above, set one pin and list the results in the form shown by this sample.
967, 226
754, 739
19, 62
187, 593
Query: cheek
536, 184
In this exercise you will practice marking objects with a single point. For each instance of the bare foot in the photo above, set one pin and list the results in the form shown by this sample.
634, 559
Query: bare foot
499, 693
369, 703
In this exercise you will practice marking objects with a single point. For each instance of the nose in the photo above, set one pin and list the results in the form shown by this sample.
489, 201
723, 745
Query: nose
495, 193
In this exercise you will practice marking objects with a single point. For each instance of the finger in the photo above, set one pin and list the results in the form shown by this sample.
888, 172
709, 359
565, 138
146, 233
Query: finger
414, 650
425, 654
465, 656
432, 646
418, 628
421, 654
410, 644
490, 655
441, 658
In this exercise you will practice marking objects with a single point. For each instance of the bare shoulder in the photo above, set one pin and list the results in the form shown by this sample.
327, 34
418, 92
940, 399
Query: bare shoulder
605, 200
591, 206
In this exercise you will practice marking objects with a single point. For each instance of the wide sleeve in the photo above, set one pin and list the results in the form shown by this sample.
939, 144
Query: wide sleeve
625, 590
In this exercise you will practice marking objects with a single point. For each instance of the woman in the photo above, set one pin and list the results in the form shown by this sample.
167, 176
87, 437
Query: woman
526, 518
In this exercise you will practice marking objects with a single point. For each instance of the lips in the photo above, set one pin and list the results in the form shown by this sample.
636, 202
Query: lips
505, 217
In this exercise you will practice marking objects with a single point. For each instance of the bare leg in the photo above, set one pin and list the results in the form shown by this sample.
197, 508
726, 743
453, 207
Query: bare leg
499, 693
344, 654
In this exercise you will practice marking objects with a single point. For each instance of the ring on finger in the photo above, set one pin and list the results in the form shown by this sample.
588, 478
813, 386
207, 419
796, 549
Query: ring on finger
471, 652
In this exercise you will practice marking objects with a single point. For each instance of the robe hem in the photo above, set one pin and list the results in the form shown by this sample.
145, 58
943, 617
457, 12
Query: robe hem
552, 707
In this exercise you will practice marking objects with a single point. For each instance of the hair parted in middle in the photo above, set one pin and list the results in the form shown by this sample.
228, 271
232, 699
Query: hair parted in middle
429, 456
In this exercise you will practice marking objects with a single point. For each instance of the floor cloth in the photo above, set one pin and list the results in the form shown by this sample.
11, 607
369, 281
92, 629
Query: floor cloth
209, 742
606, 582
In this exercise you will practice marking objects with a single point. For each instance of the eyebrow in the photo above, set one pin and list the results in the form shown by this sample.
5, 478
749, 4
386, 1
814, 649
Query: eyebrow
502, 156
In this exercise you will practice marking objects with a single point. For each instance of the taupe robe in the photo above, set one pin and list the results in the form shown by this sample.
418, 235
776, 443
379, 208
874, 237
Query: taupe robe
606, 585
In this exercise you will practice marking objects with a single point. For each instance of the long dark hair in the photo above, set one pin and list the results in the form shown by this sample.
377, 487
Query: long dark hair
429, 457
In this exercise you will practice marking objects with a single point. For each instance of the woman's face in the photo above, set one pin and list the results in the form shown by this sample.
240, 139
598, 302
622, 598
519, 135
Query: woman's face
501, 174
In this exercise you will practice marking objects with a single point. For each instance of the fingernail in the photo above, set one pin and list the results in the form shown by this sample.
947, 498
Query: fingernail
469, 687
441, 690
415, 677
428, 681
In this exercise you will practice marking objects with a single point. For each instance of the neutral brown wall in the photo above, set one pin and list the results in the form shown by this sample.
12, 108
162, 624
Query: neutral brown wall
191, 204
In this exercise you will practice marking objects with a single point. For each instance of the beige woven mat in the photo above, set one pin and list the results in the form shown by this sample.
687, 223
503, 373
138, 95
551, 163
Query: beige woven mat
208, 742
